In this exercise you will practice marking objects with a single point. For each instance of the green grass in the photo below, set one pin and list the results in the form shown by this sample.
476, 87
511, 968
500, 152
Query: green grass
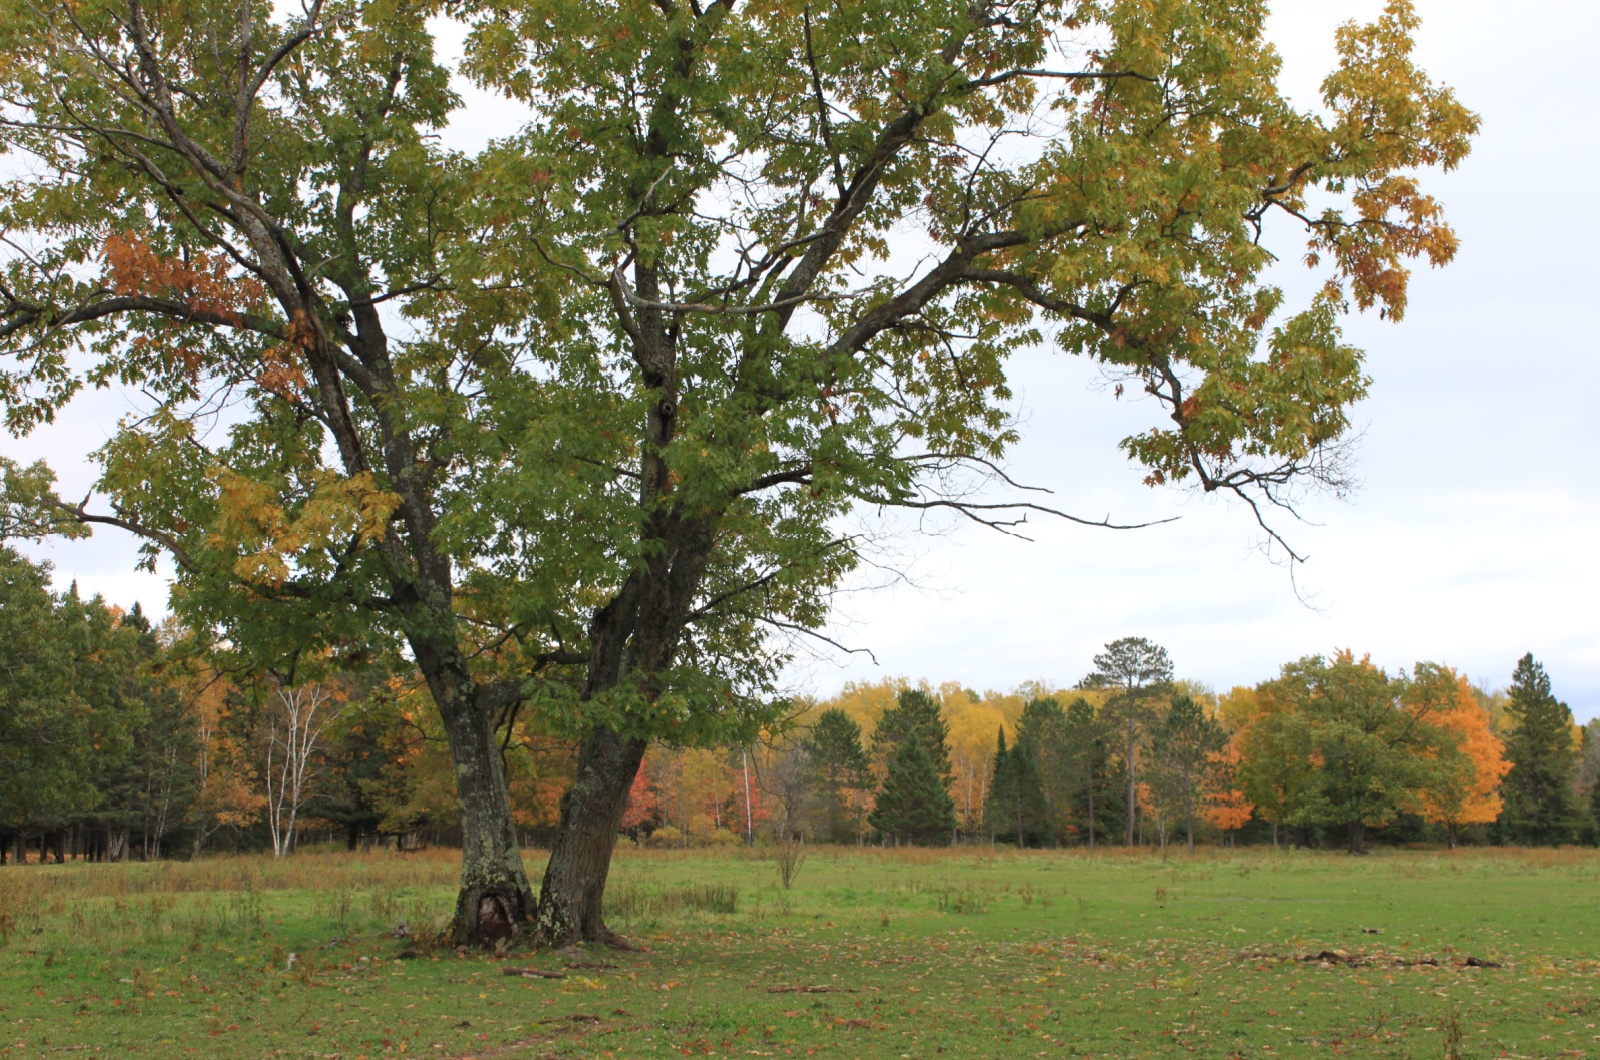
969, 953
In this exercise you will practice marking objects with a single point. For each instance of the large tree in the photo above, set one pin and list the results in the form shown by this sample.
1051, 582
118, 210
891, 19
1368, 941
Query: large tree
597, 396
1363, 757
1543, 748
1466, 791
839, 771
916, 717
913, 803
1136, 670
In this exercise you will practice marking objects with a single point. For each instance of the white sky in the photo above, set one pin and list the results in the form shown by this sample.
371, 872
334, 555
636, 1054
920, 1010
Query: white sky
1466, 542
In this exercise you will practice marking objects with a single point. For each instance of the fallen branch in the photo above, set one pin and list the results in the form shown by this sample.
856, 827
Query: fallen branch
806, 990
533, 973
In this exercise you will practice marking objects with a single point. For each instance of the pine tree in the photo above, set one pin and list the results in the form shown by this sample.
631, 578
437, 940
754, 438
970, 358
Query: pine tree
913, 803
837, 766
1090, 778
1042, 742
1137, 670
1002, 792
1540, 807
915, 715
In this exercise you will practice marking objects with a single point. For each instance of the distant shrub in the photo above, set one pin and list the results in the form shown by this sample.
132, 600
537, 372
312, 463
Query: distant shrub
665, 836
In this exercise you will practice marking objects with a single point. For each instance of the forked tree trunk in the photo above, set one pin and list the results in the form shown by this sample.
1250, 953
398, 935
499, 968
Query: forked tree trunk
571, 899
495, 895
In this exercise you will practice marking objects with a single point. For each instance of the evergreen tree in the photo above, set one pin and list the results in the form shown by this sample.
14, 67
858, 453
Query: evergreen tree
45, 737
1137, 669
1015, 808
146, 772
837, 766
915, 716
1032, 817
1042, 742
1539, 801
914, 804
1002, 789
1091, 782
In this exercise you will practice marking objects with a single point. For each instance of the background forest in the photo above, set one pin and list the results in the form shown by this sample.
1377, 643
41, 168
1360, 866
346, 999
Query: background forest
121, 740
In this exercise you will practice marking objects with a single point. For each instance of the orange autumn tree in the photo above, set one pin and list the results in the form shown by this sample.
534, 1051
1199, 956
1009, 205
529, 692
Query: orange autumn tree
1225, 806
1466, 791
641, 806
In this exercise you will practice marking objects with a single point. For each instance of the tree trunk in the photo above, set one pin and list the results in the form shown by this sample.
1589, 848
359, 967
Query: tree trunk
495, 895
1358, 837
1091, 810
1133, 793
1450, 832
571, 898
1190, 825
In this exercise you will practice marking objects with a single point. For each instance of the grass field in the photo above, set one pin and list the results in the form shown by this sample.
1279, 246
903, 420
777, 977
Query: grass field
872, 953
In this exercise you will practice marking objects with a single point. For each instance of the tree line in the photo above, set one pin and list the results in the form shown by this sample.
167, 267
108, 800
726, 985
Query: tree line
120, 741
1332, 750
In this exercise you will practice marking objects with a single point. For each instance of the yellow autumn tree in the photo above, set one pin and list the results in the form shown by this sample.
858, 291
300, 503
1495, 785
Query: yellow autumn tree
974, 724
1466, 790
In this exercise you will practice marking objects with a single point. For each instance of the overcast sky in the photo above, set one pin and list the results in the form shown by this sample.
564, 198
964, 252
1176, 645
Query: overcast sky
1471, 540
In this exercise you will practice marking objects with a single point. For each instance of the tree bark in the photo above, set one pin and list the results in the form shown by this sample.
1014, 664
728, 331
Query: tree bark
1358, 837
495, 896
571, 898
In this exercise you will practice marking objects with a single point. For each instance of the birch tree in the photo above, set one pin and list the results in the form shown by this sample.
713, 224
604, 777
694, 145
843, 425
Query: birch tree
297, 717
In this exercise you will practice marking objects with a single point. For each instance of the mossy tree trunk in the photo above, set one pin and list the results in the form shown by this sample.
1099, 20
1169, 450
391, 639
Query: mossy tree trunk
495, 898
571, 898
